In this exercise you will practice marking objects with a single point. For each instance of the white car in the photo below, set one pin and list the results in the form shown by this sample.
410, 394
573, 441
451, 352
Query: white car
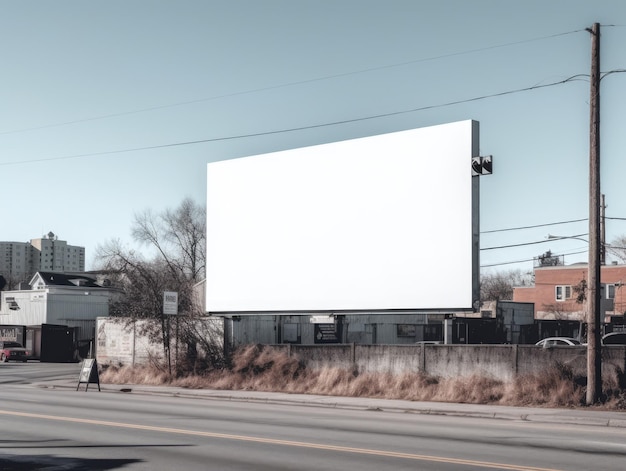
558, 342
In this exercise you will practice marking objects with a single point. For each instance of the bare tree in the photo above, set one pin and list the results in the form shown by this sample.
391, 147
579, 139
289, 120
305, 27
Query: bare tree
617, 248
12, 282
499, 286
178, 236
176, 263
580, 290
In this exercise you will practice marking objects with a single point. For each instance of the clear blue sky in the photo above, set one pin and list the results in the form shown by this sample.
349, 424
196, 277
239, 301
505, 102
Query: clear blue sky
86, 84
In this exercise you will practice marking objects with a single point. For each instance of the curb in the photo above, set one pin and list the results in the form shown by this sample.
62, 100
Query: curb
564, 417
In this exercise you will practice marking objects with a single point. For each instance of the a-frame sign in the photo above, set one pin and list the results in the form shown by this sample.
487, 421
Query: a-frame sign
89, 374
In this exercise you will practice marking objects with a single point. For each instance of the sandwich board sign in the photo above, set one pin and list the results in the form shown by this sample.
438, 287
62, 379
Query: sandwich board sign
89, 374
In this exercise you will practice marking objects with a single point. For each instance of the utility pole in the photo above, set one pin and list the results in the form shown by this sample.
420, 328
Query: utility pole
594, 321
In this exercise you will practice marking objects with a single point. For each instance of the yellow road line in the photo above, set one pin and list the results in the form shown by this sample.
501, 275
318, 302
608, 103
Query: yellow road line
272, 441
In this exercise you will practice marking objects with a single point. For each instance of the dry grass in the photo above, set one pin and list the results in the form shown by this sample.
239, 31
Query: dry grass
556, 387
261, 368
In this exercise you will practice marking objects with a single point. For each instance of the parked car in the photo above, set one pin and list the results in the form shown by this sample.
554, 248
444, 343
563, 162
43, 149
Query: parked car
558, 341
13, 351
614, 338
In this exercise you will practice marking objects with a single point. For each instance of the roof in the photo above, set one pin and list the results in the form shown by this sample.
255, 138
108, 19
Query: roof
65, 279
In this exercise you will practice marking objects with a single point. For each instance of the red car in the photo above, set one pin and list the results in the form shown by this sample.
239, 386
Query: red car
13, 351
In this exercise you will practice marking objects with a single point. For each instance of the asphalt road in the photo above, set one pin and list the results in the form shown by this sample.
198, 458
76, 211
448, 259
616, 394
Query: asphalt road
36, 372
61, 428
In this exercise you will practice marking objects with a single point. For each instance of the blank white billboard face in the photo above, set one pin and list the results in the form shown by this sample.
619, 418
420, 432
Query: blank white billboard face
378, 223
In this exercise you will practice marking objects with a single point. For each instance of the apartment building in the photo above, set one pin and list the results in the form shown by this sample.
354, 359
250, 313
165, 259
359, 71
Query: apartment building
14, 262
19, 261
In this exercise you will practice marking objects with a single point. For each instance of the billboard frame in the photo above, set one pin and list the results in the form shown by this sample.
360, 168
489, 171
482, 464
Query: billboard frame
474, 190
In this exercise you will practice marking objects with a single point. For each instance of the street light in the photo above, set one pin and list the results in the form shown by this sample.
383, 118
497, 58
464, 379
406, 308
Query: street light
603, 245
556, 237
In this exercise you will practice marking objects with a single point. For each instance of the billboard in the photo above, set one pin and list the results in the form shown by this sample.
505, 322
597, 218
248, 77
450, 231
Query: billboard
388, 222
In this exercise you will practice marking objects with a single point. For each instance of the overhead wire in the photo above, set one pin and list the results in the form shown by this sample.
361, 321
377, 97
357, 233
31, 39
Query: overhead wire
299, 128
289, 84
532, 243
525, 260
539, 242
534, 226
335, 123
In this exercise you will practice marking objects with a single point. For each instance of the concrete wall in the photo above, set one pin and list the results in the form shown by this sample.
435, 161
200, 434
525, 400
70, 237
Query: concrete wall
501, 362
117, 342
394, 359
529, 359
469, 360
318, 356
121, 341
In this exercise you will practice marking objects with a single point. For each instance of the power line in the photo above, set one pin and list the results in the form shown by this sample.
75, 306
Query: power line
284, 85
525, 260
615, 71
534, 226
300, 128
492, 231
541, 242
531, 243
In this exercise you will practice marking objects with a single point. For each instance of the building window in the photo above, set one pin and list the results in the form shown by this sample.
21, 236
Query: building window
563, 292
405, 330
610, 291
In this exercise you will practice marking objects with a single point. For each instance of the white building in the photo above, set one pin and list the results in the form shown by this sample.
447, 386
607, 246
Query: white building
73, 300
19, 261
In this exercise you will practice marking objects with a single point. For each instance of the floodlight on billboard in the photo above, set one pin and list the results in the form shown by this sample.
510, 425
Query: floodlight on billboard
482, 165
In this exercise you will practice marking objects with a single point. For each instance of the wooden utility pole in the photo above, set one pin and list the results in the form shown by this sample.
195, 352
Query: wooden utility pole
594, 321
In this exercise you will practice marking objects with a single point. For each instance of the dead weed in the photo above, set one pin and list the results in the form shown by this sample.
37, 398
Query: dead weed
263, 368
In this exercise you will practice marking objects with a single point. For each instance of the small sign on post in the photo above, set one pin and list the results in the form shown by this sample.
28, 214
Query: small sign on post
170, 302
89, 374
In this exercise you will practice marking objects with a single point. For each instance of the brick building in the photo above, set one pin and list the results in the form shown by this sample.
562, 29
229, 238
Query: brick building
557, 289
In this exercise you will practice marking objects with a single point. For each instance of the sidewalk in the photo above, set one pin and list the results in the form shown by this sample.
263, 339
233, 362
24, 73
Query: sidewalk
599, 418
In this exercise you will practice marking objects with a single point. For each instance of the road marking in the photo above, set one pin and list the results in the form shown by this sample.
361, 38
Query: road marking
273, 441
